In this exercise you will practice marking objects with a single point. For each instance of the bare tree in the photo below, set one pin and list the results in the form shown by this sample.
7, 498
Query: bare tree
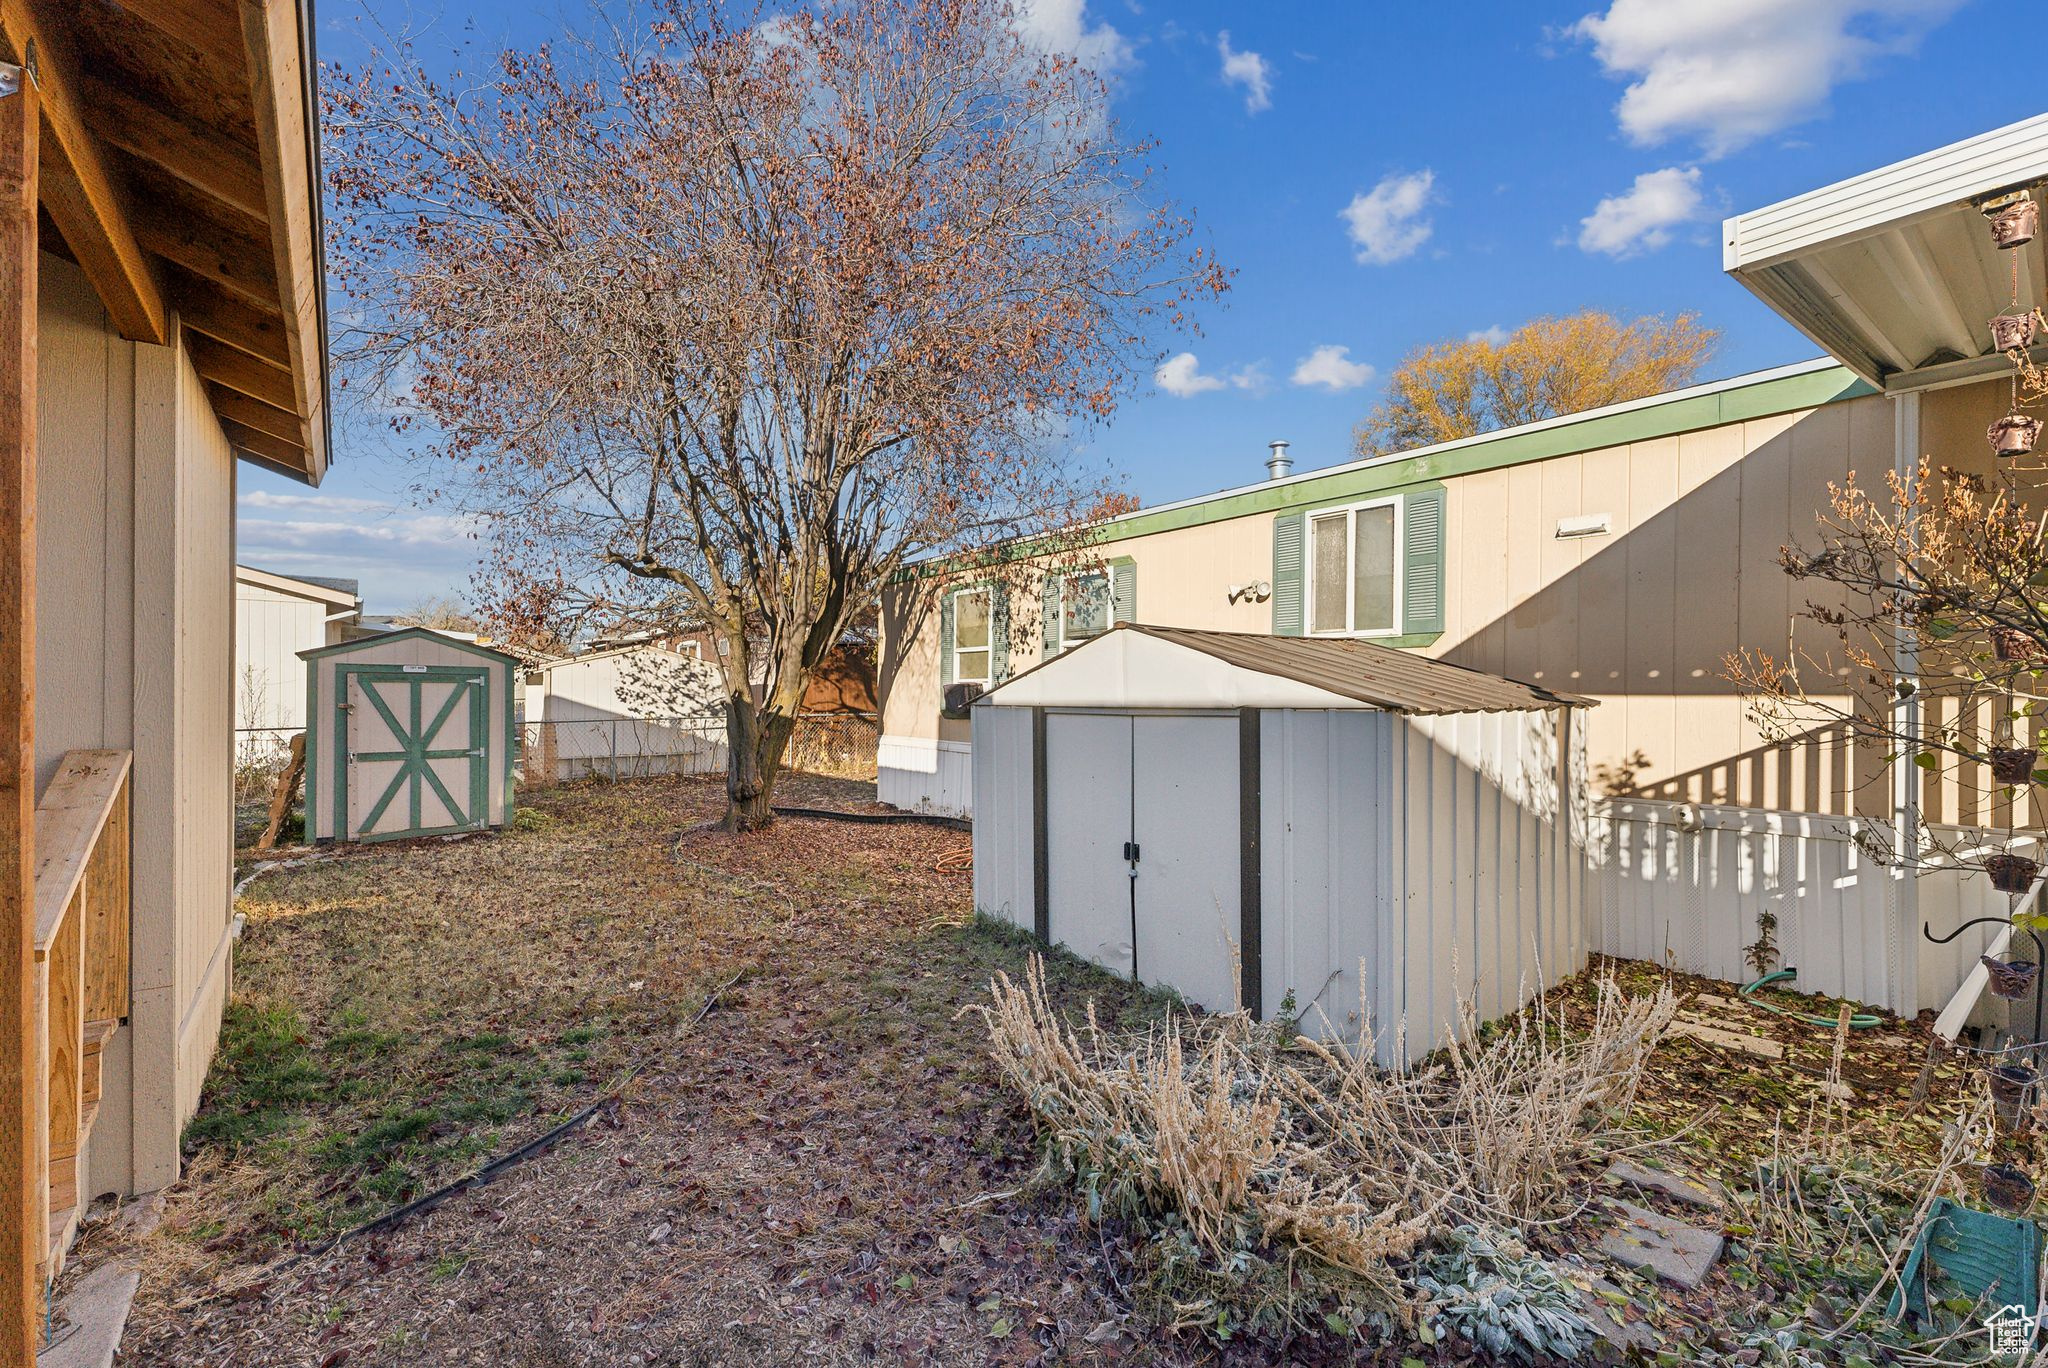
731, 318
1546, 367
441, 612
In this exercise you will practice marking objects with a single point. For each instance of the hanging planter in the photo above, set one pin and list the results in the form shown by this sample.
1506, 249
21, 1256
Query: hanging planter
2013, 764
2012, 644
2011, 873
2014, 434
2012, 332
2009, 1083
2016, 224
2010, 979
2007, 1187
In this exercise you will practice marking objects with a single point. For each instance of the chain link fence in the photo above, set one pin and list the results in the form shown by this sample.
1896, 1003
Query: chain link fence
842, 745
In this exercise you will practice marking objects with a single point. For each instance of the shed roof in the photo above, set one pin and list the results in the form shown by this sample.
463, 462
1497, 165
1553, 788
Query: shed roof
1178, 667
378, 639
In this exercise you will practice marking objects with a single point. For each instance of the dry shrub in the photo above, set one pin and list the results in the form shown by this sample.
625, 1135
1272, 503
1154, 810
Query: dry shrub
1307, 1156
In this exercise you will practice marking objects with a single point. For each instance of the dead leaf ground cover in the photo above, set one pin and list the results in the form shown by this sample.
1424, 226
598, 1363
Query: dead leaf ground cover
824, 1168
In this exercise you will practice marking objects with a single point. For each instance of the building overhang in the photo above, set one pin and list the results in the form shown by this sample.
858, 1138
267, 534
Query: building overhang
1894, 272
181, 172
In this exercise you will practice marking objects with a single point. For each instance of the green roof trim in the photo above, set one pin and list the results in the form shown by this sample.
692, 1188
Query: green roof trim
1684, 412
407, 634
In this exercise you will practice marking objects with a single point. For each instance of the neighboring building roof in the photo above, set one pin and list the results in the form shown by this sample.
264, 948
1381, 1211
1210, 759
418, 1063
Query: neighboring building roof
1894, 271
1135, 666
385, 638
339, 592
1759, 394
607, 652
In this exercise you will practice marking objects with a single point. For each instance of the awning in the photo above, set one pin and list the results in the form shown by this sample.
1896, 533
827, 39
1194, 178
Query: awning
1894, 271
1133, 666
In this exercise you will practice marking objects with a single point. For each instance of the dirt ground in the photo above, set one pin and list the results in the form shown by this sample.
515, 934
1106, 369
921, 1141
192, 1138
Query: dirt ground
807, 1158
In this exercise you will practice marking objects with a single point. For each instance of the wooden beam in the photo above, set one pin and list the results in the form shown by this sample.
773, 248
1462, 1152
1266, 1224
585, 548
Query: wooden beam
89, 208
240, 372
210, 27
277, 89
211, 164
24, 1166
206, 308
212, 250
282, 424
276, 449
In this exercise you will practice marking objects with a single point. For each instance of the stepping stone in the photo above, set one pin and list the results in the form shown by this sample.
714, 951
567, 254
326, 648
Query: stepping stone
1671, 1249
1700, 1192
1729, 1040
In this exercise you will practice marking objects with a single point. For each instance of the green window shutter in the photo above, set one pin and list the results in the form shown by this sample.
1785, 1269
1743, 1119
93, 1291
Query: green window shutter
945, 639
1049, 618
1123, 579
1422, 562
998, 634
1287, 531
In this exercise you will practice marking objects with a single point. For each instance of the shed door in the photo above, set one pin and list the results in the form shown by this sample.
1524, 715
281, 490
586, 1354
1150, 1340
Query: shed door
1088, 824
1185, 821
1142, 834
416, 754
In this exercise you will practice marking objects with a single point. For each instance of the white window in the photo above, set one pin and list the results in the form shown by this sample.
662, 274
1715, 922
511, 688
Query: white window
970, 636
1086, 606
1354, 570
693, 649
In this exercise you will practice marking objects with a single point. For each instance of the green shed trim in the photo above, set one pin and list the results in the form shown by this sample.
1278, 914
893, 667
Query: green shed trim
408, 634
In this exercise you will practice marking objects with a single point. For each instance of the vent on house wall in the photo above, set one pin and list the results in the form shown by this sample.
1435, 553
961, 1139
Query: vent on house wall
1586, 525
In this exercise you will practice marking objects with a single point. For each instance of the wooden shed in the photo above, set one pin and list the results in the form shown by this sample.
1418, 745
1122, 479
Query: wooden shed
1252, 819
408, 734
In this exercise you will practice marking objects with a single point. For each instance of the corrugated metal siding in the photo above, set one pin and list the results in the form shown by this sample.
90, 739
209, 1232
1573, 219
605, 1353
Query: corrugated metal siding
1005, 877
918, 774
1434, 852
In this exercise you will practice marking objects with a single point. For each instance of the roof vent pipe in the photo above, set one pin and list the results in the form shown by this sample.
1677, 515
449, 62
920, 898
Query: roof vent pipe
1279, 465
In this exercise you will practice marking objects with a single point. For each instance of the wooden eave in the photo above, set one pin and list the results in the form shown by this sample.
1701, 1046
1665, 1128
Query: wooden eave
181, 173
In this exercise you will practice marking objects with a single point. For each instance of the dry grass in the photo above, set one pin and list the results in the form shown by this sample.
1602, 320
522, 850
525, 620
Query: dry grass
1306, 1153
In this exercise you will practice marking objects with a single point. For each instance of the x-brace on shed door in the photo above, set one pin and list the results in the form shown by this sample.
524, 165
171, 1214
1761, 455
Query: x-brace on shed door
417, 752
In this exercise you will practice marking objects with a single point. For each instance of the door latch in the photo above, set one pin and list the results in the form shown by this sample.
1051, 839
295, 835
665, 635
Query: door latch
1131, 851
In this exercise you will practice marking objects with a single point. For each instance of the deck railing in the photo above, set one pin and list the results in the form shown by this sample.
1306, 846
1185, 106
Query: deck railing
82, 922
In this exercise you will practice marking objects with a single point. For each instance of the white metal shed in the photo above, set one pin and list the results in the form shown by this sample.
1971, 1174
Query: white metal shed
408, 733
1243, 817
638, 709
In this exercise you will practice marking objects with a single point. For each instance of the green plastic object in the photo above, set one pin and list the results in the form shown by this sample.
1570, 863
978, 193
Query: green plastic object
1979, 1252
1861, 1021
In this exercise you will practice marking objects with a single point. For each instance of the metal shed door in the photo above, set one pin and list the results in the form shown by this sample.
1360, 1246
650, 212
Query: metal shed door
416, 754
1185, 823
1088, 828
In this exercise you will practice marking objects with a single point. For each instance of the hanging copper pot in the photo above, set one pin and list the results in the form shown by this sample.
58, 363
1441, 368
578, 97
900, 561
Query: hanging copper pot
2016, 224
2014, 434
2012, 644
2011, 873
2009, 979
2009, 1083
2013, 764
2013, 332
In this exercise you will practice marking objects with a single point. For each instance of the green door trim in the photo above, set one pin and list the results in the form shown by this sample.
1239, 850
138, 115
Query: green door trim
413, 760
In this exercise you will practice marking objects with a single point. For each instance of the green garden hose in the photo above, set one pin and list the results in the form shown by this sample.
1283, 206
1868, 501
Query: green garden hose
1861, 1021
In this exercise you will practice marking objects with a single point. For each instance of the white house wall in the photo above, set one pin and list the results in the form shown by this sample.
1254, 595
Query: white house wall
594, 718
923, 774
271, 628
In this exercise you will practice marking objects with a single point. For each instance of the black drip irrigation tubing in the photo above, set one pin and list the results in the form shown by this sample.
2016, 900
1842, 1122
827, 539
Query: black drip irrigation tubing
877, 818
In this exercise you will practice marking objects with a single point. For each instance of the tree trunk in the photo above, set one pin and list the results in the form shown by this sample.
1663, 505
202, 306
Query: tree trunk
754, 742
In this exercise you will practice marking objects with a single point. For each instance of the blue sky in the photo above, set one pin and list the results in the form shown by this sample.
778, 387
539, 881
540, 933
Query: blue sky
1379, 175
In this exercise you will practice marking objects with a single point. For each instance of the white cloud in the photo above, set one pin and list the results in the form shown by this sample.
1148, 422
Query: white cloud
1492, 336
1331, 368
1249, 70
1641, 219
1728, 72
1391, 220
1181, 376
1062, 26
1252, 379
332, 503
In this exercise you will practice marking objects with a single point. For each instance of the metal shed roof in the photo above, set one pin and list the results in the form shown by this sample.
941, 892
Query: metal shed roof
1893, 271
1138, 666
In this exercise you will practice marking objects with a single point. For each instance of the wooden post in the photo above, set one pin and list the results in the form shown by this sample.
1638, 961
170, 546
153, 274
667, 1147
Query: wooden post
23, 1220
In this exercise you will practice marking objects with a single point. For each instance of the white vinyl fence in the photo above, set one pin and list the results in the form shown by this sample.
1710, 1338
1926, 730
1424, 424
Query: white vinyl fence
1683, 885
